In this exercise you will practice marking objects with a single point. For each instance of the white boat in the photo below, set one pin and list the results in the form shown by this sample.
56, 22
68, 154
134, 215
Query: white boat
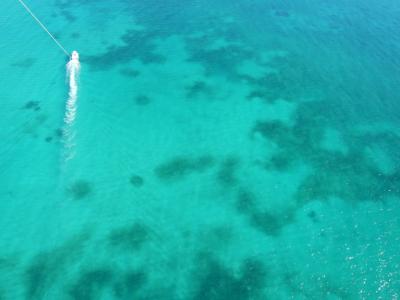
75, 56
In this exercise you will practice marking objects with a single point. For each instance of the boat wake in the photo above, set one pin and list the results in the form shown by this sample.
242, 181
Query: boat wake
73, 68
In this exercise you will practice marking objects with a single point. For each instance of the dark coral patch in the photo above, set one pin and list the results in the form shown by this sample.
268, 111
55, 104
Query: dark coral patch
32, 105
91, 284
46, 268
197, 88
349, 176
48, 139
282, 13
75, 35
24, 63
256, 95
217, 282
80, 189
128, 285
136, 180
223, 234
142, 100
313, 216
129, 72
40, 119
270, 223
246, 201
179, 167
130, 238
292, 81
67, 15
261, 219
58, 132
138, 45
349, 179
219, 61
227, 173
37, 277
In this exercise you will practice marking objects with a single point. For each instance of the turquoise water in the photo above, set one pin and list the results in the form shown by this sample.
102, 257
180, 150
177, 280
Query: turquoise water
219, 150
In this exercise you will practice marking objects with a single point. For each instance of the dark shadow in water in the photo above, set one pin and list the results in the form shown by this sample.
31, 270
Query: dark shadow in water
142, 100
79, 189
313, 216
246, 201
178, 168
32, 105
129, 72
292, 79
46, 268
138, 45
227, 172
349, 175
91, 284
223, 61
75, 35
129, 238
24, 63
269, 223
58, 132
32, 126
198, 88
217, 282
128, 285
136, 181
282, 13
67, 15
213, 238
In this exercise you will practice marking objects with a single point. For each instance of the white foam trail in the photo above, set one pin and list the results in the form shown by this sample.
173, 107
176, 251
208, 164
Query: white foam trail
73, 68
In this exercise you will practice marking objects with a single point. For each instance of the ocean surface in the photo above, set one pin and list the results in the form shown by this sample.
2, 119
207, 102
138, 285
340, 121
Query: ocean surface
217, 150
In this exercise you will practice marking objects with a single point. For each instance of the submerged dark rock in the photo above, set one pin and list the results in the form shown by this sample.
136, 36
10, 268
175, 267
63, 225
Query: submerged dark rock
271, 223
142, 100
313, 216
137, 45
58, 132
218, 282
45, 269
197, 88
129, 238
91, 284
75, 35
24, 63
136, 180
227, 173
346, 175
37, 277
261, 219
282, 13
179, 167
246, 202
129, 72
68, 16
32, 105
80, 189
128, 285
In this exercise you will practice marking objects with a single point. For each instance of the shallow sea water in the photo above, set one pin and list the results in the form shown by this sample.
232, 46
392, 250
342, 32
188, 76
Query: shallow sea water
220, 150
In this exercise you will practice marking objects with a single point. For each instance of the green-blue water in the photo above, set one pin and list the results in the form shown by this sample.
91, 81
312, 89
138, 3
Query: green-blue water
220, 150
